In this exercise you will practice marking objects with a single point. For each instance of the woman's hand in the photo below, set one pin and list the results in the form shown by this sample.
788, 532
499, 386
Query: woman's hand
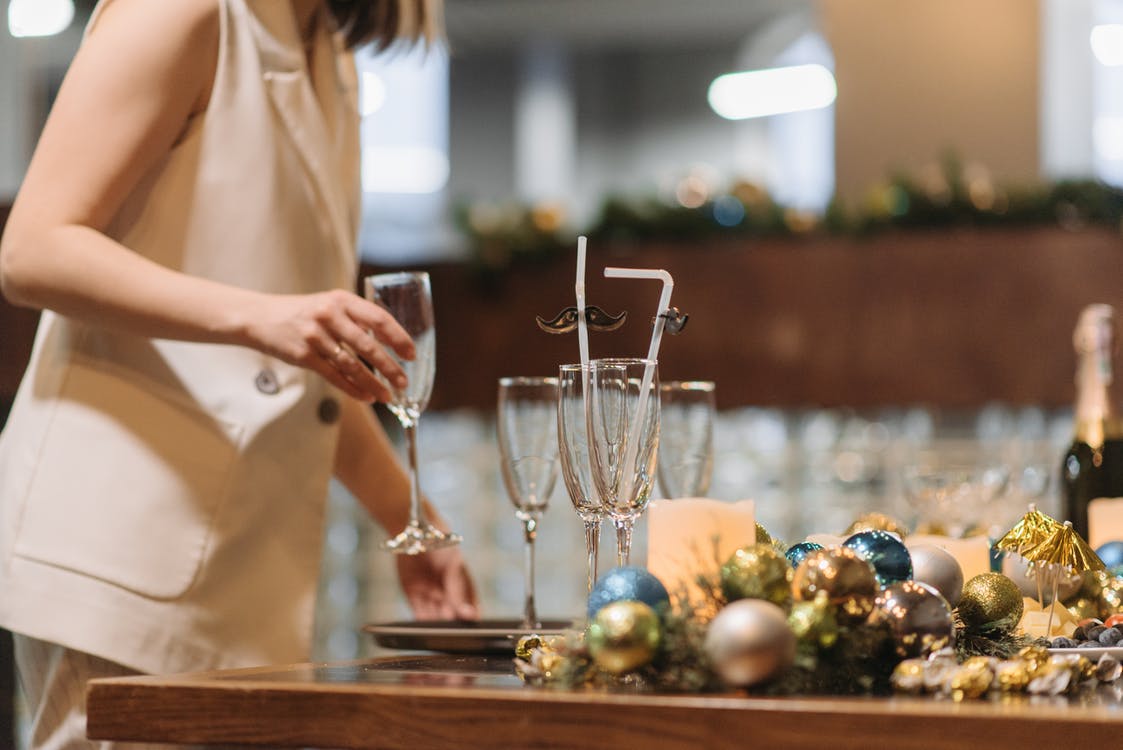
437, 585
338, 334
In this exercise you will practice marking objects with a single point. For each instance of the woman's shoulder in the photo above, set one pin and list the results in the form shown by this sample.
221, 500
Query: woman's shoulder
163, 20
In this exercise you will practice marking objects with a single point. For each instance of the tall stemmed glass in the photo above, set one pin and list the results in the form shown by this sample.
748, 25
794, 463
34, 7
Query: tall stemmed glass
686, 437
406, 296
623, 414
528, 455
573, 439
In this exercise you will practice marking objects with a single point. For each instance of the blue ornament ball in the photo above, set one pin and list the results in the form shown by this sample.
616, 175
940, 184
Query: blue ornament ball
628, 583
885, 552
797, 552
1112, 555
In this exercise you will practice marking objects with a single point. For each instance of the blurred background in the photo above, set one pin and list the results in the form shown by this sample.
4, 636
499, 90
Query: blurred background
883, 217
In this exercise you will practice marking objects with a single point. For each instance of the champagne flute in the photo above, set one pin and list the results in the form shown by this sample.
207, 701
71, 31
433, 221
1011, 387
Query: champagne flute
573, 440
623, 416
528, 454
686, 437
406, 295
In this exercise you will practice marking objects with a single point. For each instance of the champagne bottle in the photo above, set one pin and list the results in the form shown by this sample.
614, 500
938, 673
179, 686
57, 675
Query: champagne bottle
1092, 469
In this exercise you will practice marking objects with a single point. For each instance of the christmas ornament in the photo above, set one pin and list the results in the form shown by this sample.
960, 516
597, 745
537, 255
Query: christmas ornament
886, 552
749, 642
756, 572
990, 601
1111, 597
1112, 555
797, 552
624, 636
762, 535
849, 581
878, 522
814, 622
936, 567
628, 584
917, 616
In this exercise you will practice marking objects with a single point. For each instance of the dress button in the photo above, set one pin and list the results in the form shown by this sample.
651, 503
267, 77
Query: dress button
266, 382
328, 411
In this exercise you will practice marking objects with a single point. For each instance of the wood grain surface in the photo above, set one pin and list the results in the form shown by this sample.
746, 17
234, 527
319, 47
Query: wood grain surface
446, 702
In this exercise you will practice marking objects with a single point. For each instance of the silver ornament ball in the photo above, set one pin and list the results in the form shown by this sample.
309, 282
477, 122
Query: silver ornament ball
936, 567
749, 642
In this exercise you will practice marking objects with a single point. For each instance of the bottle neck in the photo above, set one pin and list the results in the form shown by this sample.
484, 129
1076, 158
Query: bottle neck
1095, 418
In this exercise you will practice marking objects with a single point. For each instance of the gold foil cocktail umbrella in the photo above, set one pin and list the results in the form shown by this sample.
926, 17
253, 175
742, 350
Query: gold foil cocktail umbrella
1033, 529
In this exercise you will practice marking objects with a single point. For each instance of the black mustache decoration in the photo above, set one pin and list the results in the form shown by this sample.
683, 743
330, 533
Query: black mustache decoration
675, 320
595, 318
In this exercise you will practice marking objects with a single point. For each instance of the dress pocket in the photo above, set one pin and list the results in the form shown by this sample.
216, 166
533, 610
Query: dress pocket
128, 484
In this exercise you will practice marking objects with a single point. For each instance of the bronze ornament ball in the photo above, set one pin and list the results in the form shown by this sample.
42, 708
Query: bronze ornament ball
991, 601
757, 571
917, 616
849, 581
749, 642
624, 636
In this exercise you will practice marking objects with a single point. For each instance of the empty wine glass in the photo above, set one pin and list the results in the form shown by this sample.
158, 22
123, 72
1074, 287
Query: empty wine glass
406, 296
528, 454
686, 437
623, 415
951, 486
573, 440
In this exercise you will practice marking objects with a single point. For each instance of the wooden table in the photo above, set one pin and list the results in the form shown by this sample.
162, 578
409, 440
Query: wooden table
419, 702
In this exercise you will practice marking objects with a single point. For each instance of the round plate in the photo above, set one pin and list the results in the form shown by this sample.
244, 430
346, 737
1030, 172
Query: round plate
459, 636
1092, 653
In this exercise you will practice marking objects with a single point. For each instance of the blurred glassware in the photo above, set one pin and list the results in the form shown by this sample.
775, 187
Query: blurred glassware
406, 295
528, 455
623, 416
576, 466
952, 486
686, 438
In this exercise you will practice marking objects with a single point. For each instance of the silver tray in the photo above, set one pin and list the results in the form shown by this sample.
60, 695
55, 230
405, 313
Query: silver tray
459, 636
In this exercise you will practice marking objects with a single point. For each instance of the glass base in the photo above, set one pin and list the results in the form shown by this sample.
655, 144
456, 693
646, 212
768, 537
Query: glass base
416, 539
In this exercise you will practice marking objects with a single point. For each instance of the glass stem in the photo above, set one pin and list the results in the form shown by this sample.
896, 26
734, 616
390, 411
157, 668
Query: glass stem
530, 613
410, 429
623, 541
592, 546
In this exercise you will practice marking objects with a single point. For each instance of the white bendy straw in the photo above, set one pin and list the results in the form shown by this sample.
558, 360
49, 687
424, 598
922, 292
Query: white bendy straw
579, 286
652, 349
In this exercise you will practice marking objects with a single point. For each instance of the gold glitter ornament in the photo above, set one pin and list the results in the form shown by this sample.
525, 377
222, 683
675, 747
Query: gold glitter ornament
624, 636
814, 621
877, 522
849, 581
762, 535
990, 601
757, 572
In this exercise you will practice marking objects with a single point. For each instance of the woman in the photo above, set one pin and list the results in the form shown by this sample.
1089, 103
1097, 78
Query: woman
188, 225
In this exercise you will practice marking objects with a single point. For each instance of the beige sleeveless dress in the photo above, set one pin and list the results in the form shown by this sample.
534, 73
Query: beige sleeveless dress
161, 502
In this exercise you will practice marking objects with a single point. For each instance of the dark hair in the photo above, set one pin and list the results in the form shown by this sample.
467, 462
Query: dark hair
385, 21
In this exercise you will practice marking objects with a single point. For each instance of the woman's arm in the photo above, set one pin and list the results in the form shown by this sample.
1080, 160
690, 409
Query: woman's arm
132, 87
437, 584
